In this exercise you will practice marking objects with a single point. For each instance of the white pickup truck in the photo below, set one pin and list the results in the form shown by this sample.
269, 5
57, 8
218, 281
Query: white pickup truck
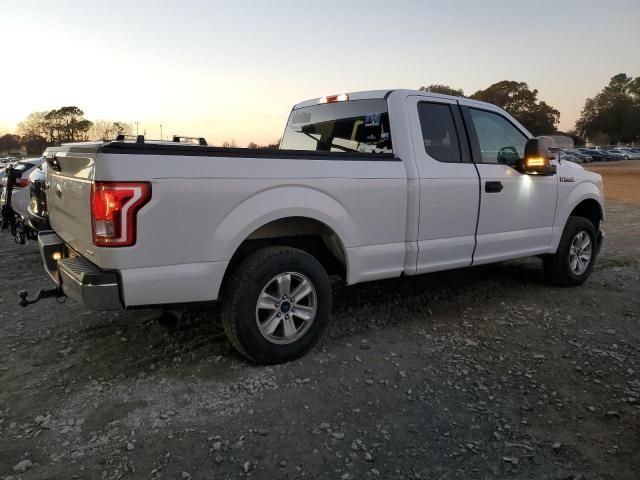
367, 186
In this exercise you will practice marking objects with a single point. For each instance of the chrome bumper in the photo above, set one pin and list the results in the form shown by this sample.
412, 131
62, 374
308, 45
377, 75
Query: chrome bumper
81, 280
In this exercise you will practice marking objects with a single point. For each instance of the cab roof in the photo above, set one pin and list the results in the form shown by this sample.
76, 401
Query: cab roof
372, 94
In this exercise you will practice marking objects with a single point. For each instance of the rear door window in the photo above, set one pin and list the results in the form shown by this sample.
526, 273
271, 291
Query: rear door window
439, 132
352, 126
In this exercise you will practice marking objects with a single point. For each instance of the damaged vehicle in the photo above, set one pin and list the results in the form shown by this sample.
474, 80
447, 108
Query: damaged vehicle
365, 186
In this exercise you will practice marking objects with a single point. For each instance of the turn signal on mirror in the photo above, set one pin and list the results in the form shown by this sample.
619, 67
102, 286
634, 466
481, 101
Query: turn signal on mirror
535, 162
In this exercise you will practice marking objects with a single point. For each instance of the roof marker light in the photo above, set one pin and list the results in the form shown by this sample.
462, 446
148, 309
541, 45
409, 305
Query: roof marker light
343, 97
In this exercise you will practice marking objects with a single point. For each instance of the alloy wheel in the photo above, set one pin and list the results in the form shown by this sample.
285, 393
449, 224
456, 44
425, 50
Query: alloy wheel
580, 253
286, 308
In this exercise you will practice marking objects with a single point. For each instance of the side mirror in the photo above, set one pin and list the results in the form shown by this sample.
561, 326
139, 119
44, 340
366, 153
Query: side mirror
537, 159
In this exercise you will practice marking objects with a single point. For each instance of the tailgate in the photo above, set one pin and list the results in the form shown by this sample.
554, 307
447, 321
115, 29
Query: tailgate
69, 179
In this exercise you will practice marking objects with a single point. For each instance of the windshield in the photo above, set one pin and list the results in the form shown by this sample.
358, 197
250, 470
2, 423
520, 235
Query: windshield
352, 126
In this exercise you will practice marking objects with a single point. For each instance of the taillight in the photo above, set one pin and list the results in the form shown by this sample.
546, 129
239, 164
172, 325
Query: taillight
22, 182
114, 208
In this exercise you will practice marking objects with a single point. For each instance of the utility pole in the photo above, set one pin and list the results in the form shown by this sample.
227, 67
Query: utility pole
161, 133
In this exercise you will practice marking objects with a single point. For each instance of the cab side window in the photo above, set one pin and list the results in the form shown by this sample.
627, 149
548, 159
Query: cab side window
439, 132
500, 141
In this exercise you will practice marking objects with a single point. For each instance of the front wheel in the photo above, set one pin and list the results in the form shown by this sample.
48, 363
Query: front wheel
276, 304
573, 262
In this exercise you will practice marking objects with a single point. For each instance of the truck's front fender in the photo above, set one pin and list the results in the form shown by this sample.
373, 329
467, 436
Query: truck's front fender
567, 203
582, 192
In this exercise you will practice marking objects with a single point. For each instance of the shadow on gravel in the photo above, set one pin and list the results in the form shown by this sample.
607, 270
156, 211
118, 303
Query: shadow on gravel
100, 348
385, 302
132, 341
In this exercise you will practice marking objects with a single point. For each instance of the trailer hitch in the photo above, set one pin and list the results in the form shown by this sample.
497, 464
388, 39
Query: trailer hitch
42, 294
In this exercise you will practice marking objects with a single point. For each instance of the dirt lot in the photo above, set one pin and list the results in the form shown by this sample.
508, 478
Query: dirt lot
622, 180
471, 374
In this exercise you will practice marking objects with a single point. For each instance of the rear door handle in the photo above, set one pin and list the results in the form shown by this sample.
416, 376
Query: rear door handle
493, 187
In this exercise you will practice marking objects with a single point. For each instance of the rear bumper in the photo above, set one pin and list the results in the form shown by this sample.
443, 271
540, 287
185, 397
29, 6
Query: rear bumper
37, 222
81, 280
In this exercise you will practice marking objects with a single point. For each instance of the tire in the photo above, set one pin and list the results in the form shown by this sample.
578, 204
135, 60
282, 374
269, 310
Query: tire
263, 275
562, 268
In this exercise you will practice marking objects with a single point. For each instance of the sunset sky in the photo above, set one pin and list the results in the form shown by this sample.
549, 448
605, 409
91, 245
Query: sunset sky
233, 69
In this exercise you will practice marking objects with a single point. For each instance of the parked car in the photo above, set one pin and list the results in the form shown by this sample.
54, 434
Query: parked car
582, 156
14, 207
565, 155
629, 153
598, 155
365, 186
24, 167
37, 215
617, 154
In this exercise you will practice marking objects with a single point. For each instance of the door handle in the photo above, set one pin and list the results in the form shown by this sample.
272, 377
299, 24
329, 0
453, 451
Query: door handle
493, 187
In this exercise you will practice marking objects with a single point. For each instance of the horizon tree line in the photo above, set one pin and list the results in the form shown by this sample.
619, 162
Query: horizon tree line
612, 116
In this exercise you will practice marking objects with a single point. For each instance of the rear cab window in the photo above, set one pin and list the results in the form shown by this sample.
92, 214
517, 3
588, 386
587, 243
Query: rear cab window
360, 126
440, 135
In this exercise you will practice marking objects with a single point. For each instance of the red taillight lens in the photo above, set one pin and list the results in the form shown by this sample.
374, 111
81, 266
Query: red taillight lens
22, 182
114, 208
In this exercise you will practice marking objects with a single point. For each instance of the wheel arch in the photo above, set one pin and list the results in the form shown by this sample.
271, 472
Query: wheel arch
305, 233
590, 209
585, 201
295, 216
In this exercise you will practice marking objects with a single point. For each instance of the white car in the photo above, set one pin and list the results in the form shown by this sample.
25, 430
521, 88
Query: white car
367, 186
20, 198
628, 153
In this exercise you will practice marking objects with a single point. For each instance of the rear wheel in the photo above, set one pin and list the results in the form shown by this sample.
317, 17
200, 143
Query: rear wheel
573, 262
276, 304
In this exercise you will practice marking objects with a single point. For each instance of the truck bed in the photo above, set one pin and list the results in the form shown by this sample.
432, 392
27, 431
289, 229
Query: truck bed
206, 201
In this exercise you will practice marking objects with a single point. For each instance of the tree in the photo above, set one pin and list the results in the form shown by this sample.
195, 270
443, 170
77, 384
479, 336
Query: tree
229, 144
66, 124
122, 128
108, 129
100, 130
32, 125
34, 144
443, 89
269, 146
521, 102
10, 143
613, 115
69, 124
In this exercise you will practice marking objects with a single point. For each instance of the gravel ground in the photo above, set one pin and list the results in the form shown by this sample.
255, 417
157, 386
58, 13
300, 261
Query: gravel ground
472, 374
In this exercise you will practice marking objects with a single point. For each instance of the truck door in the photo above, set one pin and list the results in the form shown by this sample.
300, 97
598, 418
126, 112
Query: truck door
449, 184
516, 210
